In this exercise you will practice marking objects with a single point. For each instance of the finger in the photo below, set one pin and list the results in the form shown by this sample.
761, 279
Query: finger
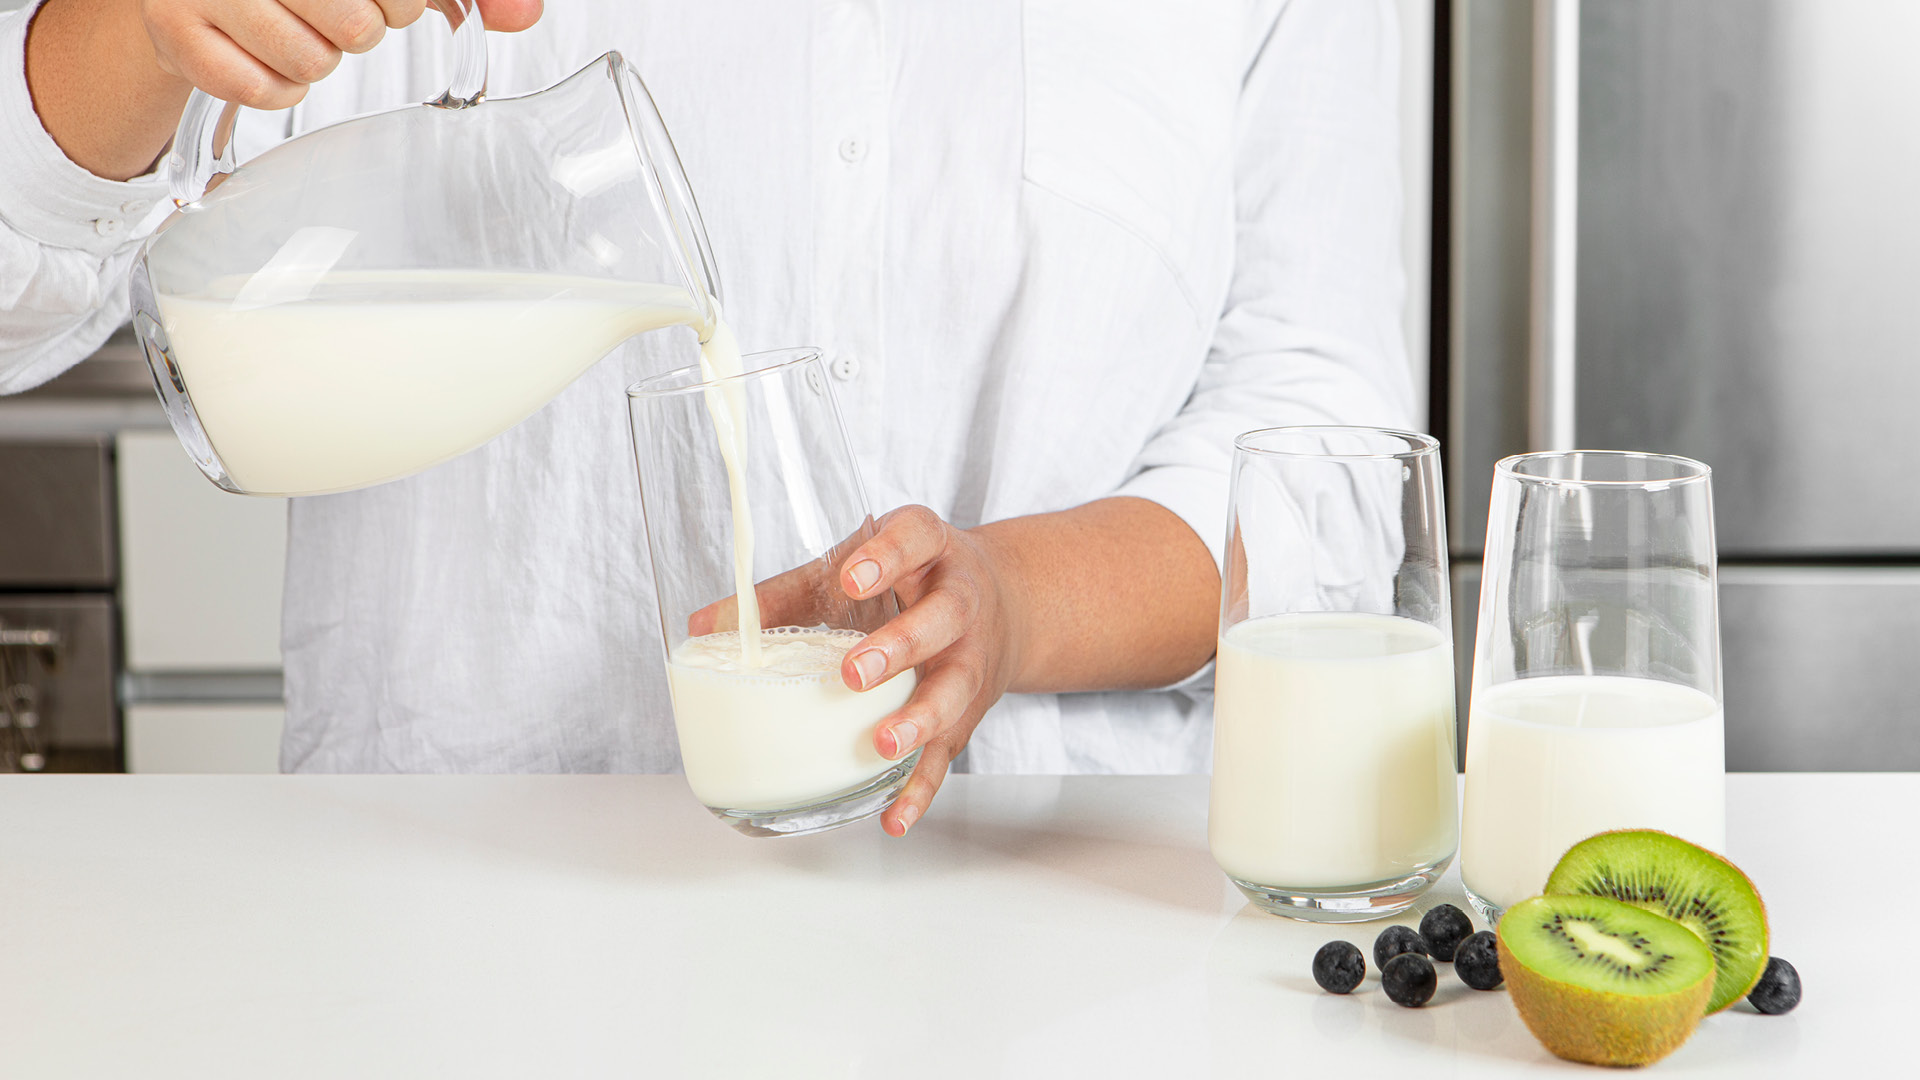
348, 25
401, 13
918, 792
281, 40
209, 59
722, 614
913, 637
510, 15
909, 539
941, 702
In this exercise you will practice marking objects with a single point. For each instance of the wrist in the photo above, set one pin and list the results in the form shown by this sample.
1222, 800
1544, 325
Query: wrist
1013, 589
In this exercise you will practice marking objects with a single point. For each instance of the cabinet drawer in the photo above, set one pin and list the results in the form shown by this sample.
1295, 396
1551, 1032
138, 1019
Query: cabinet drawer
200, 568
204, 738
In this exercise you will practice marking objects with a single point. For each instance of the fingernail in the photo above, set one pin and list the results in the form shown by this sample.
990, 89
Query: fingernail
870, 665
905, 734
908, 815
864, 574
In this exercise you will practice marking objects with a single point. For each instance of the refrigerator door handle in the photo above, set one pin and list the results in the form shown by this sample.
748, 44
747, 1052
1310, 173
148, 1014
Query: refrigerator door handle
1556, 165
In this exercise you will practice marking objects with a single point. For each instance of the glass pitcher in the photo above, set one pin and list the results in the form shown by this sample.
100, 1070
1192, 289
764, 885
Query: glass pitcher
378, 296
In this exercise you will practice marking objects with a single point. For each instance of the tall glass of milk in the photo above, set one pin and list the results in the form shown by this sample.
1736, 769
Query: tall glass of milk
1333, 731
1596, 670
752, 504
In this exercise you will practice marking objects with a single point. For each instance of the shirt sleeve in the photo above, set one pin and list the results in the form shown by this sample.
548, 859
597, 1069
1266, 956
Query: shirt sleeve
67, 237
1310, 332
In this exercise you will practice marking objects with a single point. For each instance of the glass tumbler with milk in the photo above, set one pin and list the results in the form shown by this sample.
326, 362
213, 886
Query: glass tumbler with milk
1596, 672
752, 504
1333, 731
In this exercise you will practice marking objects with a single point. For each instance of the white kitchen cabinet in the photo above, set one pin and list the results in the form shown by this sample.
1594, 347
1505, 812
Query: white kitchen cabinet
203, 738
200, 569
200, 573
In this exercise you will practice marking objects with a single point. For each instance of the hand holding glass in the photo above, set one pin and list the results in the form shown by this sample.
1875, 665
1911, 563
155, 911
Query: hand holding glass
772, 740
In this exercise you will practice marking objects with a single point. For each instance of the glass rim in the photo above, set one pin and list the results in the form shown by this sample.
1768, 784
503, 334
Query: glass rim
650, 387
1419, 444
1687, 471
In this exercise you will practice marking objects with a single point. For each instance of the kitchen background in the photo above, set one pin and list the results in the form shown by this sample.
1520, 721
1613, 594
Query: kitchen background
1685, 228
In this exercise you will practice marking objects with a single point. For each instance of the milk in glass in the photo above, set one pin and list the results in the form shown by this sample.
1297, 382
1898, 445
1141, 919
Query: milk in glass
1553, 760
784, 732
1333, 752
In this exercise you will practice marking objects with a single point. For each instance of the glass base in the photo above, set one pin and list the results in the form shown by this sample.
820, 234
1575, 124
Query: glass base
1489, 911
1358, 903
841, 808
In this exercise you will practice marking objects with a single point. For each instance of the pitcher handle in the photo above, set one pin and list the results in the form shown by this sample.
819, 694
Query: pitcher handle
203, 145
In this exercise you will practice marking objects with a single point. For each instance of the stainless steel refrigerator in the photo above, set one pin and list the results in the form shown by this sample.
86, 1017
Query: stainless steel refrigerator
1693, 227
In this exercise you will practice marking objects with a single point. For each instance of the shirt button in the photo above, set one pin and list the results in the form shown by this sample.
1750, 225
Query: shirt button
814, 382
106, 226
853, 150
845, 367
135, 207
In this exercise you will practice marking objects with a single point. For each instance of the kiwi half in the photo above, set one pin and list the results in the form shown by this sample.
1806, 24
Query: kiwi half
1685, 882
1603, 982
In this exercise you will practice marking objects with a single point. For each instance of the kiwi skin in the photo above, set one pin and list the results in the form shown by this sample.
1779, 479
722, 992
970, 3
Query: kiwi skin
1739, 963
1591, 1026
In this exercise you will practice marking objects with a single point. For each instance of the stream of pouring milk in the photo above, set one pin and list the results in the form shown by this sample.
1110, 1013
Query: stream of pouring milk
727, 405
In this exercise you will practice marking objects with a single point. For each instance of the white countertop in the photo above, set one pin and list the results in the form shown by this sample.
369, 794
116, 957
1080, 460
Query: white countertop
573, 926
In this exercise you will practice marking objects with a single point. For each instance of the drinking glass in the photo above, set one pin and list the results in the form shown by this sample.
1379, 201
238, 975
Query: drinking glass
1333, 795
1596, 672
780, 747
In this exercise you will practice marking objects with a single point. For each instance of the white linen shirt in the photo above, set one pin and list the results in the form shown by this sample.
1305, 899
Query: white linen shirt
1054, 251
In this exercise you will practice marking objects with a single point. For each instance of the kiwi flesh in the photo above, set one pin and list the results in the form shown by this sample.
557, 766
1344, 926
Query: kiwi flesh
1603, 982
1684, 882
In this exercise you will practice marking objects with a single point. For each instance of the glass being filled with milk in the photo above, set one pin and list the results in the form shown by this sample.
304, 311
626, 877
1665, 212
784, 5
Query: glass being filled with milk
1596, 673
752, 504
1333, 730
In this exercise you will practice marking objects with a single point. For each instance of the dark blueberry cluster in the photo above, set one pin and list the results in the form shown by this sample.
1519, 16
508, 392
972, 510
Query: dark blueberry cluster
1402, 955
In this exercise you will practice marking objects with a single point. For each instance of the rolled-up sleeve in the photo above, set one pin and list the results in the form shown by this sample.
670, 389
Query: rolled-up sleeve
1310, 332
67, 237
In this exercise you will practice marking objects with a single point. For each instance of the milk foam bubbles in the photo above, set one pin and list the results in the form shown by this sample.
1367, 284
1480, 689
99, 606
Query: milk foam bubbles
1553, 760
783, 734
363, 376
1333, 750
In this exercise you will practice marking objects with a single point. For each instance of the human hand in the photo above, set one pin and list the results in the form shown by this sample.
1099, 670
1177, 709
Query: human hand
264, 53
960, 623
957, 625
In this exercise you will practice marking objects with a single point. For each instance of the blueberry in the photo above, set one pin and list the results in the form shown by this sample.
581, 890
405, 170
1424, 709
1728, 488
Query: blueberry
1395, 940
1443, 929
1778, 990
1409, 980
1338, 967
1477, 961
